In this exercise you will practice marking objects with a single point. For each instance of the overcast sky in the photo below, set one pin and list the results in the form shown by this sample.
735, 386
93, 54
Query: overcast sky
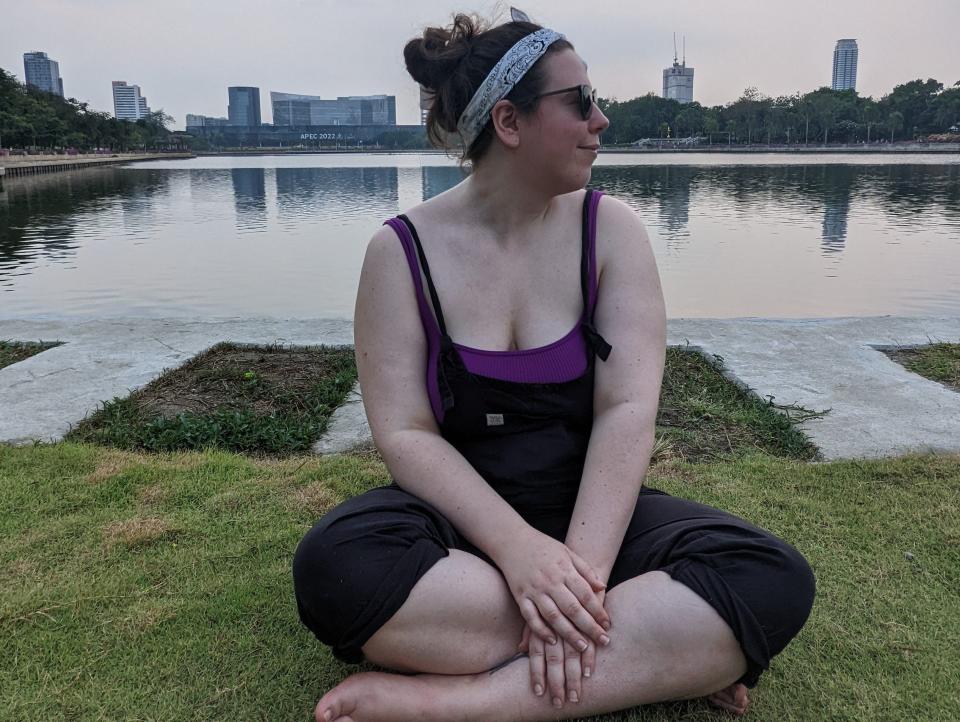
184, 53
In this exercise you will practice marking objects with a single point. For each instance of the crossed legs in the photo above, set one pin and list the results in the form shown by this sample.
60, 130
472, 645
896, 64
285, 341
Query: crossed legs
460, 620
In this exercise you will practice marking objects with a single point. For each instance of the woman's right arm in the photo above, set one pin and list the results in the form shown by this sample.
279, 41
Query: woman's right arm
391, 354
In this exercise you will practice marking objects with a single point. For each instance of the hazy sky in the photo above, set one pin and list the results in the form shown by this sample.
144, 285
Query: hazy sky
184, 53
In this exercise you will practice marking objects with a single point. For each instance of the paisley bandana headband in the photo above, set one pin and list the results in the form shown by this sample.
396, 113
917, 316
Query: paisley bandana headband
501, 80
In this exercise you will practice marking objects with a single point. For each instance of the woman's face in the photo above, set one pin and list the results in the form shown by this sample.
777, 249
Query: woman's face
560, 144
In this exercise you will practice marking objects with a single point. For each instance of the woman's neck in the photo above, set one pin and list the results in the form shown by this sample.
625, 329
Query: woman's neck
505, 203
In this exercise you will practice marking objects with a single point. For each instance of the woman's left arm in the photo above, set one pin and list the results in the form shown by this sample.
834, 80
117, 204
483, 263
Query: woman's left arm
630, 314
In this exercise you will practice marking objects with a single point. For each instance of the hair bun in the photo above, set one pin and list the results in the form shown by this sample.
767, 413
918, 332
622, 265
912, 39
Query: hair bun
432, 59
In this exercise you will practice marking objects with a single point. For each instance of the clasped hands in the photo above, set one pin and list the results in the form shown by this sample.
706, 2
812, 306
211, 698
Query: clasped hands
561, 599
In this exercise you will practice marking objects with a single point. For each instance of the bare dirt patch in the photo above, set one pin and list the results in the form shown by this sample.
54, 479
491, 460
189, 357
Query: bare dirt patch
265, 380
262, 400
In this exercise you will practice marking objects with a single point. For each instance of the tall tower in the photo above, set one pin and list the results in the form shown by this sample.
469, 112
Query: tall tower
128, 104
678, 79
243, 105
42, 72
845, 65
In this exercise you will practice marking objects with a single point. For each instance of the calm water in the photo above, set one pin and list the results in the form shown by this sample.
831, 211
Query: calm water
284, 236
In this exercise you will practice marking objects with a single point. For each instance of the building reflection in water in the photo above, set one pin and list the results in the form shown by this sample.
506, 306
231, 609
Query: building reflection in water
437, 179
837, 189
336, 194
249, 198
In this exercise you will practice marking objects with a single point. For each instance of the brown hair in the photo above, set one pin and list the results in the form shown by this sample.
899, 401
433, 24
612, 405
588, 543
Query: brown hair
452, 62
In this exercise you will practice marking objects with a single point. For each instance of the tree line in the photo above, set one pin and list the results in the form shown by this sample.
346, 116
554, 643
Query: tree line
32, 118
912, 110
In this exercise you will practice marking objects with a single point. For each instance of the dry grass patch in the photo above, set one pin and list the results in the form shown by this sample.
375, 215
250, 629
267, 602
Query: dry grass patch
316, 498
138, 532
113, 463
153, 494
144, 615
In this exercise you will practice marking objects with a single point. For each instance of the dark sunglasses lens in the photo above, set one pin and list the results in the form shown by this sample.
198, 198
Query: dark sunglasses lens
588, 97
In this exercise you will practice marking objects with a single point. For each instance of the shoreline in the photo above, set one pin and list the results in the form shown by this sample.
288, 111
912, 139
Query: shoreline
20, 166
905, 149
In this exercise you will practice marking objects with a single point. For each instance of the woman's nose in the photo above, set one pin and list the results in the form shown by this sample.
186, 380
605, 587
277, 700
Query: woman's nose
598, 121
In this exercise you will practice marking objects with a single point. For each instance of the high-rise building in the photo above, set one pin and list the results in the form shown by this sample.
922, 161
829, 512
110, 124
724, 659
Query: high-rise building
128, 104
299, 110
678, 78
244, 105
42, 72
845, 65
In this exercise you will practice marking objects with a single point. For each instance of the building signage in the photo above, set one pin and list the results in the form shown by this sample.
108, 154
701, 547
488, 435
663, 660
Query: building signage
323, 136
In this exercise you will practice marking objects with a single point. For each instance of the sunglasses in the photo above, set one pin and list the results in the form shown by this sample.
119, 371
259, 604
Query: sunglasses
586, 95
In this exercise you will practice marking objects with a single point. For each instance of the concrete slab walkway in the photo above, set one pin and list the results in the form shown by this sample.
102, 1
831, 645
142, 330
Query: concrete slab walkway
877, 408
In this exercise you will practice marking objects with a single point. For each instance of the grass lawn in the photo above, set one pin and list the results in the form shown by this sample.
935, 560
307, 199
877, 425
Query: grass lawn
136, 586
938, 361
265, 400
13, 351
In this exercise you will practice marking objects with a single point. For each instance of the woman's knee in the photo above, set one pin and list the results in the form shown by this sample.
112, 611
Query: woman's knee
796, 589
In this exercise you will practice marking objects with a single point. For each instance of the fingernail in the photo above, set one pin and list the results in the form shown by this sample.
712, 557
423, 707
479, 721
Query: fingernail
606, 625
586, 672
581, 645
552, 640
557, 702
573, 696
328, 715
538, 690
604, 640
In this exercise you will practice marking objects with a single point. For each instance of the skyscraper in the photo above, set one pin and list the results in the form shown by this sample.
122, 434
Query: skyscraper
128, 104
42, 72
845, 65
243, 105
678, 79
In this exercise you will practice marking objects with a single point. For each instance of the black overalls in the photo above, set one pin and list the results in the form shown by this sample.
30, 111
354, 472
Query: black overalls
357, 565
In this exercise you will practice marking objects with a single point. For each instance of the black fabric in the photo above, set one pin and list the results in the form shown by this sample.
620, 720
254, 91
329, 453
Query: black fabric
356, 567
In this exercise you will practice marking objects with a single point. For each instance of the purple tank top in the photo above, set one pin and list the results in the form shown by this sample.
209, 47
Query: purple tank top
563, 360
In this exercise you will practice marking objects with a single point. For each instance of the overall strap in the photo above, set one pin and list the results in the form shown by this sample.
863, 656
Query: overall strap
426, 272
588, 274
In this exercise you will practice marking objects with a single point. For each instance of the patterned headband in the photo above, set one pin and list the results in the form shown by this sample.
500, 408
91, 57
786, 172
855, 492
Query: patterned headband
501, 80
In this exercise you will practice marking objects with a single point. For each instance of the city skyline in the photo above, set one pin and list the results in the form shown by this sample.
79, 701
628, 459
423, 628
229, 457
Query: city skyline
298, 49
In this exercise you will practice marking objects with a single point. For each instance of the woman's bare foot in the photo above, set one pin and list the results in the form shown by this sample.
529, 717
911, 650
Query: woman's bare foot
734, 699
381, 697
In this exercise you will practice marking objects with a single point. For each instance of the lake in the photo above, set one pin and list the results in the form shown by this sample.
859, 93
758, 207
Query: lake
284, 236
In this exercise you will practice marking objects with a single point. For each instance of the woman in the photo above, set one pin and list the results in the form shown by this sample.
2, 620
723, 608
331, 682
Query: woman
517, 568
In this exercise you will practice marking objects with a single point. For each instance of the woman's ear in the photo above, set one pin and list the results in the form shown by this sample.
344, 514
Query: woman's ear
505, 123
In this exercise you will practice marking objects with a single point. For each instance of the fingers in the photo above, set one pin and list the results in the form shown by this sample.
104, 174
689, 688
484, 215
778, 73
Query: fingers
538, 666
567, 617
587, 571
555, 673
588, 660
591, 601
572, 671
524, 639
531, 614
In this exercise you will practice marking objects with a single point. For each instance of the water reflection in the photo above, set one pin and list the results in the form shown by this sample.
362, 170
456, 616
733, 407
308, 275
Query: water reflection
837, 190
336, 194
730, 240
789, 194
48, 217
249, 198
437, 179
